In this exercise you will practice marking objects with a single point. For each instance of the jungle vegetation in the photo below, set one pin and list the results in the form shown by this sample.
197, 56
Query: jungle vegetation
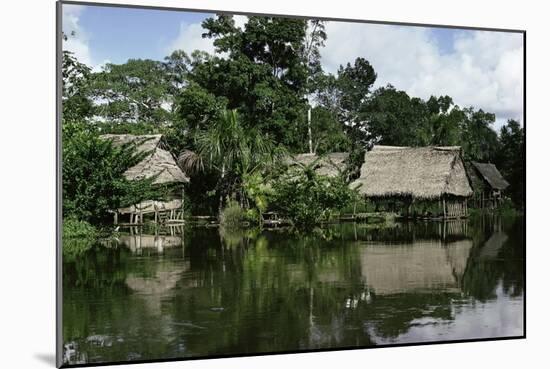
232, 116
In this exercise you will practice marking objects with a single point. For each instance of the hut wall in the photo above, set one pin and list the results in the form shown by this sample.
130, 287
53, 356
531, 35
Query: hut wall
455, 208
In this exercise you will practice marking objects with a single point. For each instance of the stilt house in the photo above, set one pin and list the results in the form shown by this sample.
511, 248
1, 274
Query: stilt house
416, 181
159, 164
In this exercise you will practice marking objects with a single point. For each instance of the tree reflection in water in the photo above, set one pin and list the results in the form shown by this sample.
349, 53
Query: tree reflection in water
210, 291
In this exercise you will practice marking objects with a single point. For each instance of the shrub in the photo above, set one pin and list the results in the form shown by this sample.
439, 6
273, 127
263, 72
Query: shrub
78, 236
93, 175
232, 216
306, 198
507, 208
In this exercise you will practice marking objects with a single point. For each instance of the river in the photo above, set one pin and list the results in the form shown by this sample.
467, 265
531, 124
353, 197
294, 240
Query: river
206, 291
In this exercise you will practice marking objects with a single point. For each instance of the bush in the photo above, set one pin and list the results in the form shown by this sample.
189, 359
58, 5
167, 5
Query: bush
78, 236
306, 198
507, 208
93, 175
232, 216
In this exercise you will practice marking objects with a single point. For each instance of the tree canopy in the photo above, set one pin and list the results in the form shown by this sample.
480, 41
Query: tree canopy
235, 111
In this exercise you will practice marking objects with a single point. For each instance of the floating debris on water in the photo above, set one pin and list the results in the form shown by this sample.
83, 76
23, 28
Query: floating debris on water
188, 325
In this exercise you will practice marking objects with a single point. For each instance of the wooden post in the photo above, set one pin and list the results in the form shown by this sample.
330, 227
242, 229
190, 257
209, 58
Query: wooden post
116, 217
444, 208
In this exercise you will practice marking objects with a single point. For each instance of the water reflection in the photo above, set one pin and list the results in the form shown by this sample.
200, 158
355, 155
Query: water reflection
208, 291
422, 267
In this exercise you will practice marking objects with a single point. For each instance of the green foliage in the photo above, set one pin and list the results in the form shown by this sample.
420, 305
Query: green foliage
264, 75
444, 121
511, 160
232, 151
258, 190
93, 181
328, 134
74, 228
396, 119
77, 104
78, 236
133, 128
507, 208
478, 140
307, 198
230, 119
134, 91
232, 216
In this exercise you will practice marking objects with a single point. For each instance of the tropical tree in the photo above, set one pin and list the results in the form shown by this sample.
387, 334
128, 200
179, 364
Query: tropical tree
511, 159
444, 121
77, 104
261, 74
138, 90
311, 58
232, 151
93, 175
306, 198
394, 118
478, 139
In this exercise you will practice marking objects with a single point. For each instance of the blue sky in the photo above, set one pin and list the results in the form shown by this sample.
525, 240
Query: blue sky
118, 34
477, 68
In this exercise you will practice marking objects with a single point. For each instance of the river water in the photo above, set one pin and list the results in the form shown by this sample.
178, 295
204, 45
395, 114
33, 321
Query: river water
205, 291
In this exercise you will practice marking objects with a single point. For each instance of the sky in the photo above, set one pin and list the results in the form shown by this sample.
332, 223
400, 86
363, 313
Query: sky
483, 69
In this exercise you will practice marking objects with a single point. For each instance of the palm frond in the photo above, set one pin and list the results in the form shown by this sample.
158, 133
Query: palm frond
191, 162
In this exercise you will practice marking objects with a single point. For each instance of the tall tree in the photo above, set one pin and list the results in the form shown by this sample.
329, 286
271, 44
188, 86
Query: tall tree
76, 101
261, 73
137, 90
394, 118
444, 119
478, 139
511, 159
231, 150
311, 58
346, 94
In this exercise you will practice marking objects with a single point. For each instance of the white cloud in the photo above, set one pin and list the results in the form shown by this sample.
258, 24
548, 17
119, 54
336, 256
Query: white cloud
190, 37
77, 38
481, 69
240, 21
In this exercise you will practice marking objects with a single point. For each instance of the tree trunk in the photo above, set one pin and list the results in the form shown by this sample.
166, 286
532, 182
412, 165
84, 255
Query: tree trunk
220, 206
309, 130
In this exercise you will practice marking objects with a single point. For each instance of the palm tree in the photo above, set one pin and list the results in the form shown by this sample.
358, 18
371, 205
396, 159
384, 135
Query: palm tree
230, 148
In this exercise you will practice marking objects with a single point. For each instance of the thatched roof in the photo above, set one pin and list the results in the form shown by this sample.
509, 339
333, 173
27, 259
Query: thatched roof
491, 175
420, 172
159, 161
330, 165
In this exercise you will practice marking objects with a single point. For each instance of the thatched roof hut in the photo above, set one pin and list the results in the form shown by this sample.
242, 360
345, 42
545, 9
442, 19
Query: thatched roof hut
426, 173
330, 165
159, 161
490, 174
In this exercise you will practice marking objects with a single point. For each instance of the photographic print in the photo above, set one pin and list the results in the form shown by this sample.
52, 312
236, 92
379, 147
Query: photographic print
246, 184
